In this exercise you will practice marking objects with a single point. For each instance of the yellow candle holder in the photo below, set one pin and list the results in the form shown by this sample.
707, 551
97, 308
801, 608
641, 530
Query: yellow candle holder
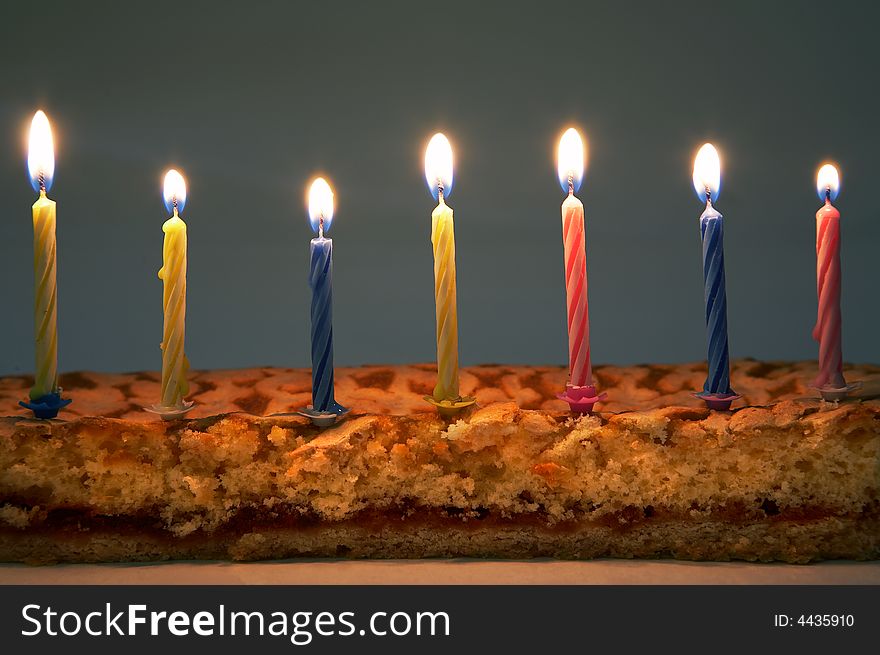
450, 408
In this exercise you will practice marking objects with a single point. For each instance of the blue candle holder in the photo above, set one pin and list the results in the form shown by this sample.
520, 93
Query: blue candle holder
46, 407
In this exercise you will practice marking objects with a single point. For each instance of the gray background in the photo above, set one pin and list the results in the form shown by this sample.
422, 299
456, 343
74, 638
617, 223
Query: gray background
251, 100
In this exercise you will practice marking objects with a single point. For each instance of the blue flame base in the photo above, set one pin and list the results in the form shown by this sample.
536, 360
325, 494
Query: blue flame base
46, 407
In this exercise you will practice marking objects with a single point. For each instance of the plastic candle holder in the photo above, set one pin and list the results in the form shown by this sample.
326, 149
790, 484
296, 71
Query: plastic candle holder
47, 406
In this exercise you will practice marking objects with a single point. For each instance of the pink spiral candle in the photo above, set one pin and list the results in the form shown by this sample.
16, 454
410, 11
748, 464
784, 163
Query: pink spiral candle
827, 331
580, 393
580, 370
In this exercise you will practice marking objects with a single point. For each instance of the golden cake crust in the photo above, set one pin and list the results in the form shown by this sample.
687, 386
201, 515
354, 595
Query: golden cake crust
399, 390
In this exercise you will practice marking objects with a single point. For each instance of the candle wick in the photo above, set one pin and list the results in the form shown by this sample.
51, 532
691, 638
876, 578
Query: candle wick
708, 197
41, 178
439, 192
321, 227
570, 184
828, 194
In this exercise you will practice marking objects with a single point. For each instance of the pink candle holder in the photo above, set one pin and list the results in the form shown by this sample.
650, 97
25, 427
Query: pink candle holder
718, 401
581, 399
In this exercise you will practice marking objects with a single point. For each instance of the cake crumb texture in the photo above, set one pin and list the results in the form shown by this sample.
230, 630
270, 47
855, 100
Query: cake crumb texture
796, 480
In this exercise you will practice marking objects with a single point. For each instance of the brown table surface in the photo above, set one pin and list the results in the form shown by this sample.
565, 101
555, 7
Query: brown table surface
446, 572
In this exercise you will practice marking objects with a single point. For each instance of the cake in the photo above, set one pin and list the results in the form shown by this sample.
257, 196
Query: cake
784, 476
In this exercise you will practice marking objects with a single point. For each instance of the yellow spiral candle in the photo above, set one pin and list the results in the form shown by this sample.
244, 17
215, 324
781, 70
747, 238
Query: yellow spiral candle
173, 274
41, 165
443, 239
438, 172
45, 299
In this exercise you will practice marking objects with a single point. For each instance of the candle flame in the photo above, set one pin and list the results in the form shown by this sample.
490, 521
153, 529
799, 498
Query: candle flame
438, 165
320, 204
828, 182
175, 191
707, 173
41, 153
570, 158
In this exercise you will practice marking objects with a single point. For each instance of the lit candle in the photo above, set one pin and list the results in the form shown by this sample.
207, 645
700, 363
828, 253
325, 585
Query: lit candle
580, 393
828, 323
321, 281
438, 173
45, 395
707, 183
173, 275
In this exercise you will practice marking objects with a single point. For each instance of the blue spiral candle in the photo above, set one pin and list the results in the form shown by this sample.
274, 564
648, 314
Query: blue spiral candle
712, 231
321, 282
707, 181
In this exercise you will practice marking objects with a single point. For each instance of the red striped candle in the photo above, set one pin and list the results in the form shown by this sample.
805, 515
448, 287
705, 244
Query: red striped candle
580, 369
828, 321
579, 391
